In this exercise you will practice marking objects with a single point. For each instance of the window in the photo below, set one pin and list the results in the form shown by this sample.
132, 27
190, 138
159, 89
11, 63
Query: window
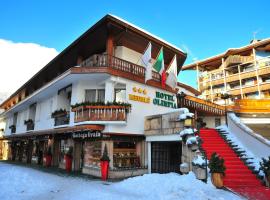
100, 95
15, 117
92, 153
32, 111
120, 95
95, 95
125, 155
65, 147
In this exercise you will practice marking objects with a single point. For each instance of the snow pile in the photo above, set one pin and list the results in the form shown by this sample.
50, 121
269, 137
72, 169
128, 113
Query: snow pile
27, 184
192, 140
185, 114
188, 131
173, 186
255, 162
199, 161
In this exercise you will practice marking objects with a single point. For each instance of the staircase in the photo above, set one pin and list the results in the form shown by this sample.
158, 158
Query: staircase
239, 178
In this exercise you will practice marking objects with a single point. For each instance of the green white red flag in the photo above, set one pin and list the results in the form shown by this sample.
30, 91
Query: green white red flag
159, 66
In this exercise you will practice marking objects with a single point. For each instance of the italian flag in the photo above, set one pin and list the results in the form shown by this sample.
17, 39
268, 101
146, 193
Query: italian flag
159, 67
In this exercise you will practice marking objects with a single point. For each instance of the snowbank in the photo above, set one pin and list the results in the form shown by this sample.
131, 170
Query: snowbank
25, 183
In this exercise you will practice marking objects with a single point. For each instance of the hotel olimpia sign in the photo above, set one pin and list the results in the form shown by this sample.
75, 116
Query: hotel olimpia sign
165, 100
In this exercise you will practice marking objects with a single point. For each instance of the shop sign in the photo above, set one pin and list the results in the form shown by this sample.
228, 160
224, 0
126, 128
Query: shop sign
87, 134
140, 91
165, 100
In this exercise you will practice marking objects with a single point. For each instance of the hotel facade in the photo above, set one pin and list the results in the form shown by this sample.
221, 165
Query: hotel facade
93, 94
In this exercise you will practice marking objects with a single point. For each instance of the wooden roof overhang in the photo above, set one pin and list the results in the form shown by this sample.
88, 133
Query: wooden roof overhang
200, 105
215, 61
94, 41
57, 131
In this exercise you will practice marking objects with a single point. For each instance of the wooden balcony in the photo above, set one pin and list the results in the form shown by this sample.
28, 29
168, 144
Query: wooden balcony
252, 106
265, 86
200, 105
236, 59
249, 74
249, 89
232, 78
119, 64
100, 113
263, 71
235, 91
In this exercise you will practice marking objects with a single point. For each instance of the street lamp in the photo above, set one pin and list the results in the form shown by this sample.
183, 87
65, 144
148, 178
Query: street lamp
225, 96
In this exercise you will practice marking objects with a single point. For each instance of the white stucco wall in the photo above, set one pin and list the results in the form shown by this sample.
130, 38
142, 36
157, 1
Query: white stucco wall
128, 54
210, 120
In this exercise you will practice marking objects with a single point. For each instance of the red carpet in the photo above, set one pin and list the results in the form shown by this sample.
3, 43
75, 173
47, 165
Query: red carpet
238, 177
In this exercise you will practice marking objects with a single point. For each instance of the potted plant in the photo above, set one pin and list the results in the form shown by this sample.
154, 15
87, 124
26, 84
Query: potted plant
104, 164
29, 121
59, 113
48, 157
68, 159
217, 170
265, 167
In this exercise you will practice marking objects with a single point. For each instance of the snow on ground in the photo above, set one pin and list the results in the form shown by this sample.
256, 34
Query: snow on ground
17, 182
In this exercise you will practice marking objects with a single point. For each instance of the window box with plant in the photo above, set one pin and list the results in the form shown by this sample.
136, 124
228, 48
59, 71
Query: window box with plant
265, 168
60, 116
29, 124
217, 170
12, 128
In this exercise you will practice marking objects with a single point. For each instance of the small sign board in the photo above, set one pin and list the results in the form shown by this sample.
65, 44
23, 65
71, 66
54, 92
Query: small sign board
87, 134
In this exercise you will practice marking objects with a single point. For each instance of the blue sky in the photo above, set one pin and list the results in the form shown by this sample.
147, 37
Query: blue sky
203, 28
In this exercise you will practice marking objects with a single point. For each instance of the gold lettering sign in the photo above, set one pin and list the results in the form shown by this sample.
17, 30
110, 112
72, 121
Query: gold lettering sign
139, 98
134, 97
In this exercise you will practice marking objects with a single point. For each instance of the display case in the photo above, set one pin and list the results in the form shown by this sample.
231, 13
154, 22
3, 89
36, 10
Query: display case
125, 155
92, 154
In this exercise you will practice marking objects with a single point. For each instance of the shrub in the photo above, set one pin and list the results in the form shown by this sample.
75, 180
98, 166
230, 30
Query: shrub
216, 164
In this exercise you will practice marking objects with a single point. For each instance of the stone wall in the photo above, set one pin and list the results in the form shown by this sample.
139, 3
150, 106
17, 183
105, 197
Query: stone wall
163, 124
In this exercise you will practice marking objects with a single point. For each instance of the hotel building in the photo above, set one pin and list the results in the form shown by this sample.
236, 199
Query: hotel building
70, 104
244, 74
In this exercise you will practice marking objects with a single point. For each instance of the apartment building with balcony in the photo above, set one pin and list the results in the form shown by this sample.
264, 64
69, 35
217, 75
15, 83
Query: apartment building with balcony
92, 94
242, 72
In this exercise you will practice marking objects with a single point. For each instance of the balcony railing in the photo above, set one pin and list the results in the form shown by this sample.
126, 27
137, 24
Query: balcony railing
200, 105
100, 113
98, 60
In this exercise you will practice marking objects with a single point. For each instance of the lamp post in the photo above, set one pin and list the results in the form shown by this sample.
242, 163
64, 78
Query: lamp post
225, 96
